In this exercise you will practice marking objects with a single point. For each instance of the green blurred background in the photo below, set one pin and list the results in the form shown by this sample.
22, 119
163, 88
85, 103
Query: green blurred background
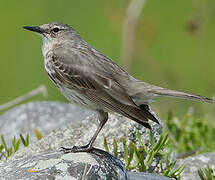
174, 45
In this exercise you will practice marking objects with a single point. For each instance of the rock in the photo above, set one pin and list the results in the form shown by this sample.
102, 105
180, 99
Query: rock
78, 134
145, 176
55, 165
193, 163
66, 125
45, 116
95, 165
42, 159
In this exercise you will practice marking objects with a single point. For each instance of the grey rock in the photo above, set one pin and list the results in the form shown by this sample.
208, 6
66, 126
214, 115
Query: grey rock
193, 163
145, 176
48, 116
66, 125
73, 126
78, 134
55, 165
45, 116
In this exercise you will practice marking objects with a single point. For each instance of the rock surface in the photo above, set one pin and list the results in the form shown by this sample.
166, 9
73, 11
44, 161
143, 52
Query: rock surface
97, 165
92, 166
67, 125
193, 163
145, 176
45, 116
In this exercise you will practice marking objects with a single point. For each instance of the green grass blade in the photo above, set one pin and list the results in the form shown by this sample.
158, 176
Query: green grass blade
27, 140
115, 148
125, 153
131, 153
151, 138
4, 143
201, 174
38, 134
17, 144
14, 141
106, 145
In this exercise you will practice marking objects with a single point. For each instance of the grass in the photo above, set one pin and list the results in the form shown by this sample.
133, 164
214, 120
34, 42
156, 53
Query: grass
192, 134
141, 158
206, 173
6, 151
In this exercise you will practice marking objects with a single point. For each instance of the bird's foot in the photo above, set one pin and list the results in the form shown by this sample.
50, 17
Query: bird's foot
76, 149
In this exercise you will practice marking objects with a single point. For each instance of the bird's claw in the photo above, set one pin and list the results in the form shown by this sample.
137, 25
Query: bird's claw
75, 149
66, 150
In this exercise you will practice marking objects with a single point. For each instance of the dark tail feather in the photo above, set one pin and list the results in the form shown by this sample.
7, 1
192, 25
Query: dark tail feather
178, 94
145, 124
145, 109
140, 116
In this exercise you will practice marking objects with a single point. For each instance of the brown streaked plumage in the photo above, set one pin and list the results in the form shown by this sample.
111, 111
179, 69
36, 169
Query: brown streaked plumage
88, 78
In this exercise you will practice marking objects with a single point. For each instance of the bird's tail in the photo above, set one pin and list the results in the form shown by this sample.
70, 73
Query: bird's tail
177, 94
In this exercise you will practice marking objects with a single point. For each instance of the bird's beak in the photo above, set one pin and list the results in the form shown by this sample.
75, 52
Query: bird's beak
34, 28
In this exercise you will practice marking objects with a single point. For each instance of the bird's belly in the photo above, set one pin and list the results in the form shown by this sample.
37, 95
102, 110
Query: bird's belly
71, 94
77, 98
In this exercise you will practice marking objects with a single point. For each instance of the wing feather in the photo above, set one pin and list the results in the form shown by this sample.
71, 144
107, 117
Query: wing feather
97, 85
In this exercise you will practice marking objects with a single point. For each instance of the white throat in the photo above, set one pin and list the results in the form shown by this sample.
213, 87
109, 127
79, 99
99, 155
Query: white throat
46, 45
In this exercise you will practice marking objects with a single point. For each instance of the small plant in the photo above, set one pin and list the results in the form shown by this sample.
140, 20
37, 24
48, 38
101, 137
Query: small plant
6, 151
192, 134
15, 144
38, 134
170, 170
25, 141
140, 158
206, 173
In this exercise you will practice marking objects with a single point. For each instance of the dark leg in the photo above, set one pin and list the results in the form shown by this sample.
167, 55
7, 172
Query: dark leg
103, 117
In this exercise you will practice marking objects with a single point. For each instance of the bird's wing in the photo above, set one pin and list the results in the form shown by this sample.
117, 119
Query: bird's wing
75, 71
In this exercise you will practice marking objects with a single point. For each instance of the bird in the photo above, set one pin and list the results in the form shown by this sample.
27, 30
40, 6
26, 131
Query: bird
88, 78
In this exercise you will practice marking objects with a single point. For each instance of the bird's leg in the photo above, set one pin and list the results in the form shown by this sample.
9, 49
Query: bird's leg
103, 117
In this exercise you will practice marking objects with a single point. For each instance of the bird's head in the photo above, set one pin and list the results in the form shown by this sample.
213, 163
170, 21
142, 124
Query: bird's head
53, 30
54, 33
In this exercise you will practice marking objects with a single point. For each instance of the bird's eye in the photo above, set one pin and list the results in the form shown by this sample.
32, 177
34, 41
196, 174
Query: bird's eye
55, 29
